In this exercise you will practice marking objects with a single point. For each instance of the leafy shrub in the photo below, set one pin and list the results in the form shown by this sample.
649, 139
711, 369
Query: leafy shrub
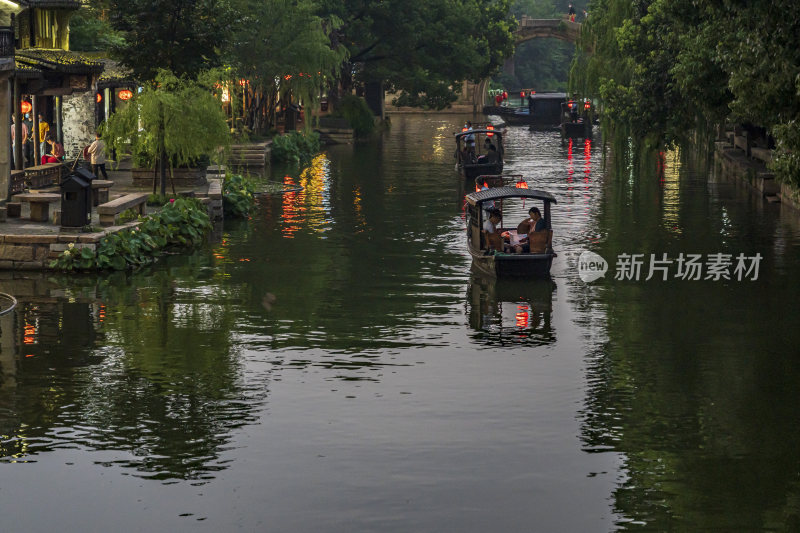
358, 114
295, 147
183, 222
128, 215
158, 199
238, 195
786, 158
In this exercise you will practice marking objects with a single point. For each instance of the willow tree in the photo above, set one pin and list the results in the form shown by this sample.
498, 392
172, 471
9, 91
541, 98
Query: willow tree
280, 48
173, 122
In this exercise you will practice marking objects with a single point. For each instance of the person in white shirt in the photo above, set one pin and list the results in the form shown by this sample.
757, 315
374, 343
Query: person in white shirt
97, 151
493, 239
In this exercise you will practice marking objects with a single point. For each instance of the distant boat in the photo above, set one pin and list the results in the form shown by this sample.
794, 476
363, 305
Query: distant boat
488, 257
473, 164
546, 111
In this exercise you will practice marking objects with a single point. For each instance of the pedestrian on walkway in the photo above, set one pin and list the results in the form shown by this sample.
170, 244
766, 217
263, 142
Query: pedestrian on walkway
97, 151
27, 144
44, 129
571, 13
14, 141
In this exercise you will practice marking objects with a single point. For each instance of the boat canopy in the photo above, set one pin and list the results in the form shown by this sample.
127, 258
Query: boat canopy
497, 193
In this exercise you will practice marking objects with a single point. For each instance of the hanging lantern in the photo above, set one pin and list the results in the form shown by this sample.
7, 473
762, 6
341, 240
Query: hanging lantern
490, 127
99, 98
125, 94
477, 188
25, 106
522, 94
522, 184
587, 105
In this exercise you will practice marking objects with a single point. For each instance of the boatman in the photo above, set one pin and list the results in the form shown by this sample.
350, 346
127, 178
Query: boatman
469, 139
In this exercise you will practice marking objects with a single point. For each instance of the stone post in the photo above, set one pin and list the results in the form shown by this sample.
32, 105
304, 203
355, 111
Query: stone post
59, 121
373, 94
19, 161
5, 149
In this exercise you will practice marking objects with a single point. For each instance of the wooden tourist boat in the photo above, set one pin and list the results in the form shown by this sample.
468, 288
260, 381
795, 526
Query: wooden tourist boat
488, 255
471, 165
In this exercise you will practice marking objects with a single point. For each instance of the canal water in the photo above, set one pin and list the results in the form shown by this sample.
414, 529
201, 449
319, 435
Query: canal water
331, 364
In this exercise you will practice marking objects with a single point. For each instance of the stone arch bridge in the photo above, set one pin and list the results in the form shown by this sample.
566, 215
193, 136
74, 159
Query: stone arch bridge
529, 29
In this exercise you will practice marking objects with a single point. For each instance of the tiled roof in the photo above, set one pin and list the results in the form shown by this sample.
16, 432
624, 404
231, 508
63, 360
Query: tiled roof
52, 3
114, 72
58, 60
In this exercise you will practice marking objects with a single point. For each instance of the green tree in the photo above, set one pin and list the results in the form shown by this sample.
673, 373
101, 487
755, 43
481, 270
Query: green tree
173, 122
90, 30
281, 40
422, 50
182, 36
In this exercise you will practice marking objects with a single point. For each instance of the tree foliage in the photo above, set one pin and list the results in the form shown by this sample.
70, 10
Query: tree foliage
666, 69
422, 50
90, 31
182, 36
175, 120
282, 40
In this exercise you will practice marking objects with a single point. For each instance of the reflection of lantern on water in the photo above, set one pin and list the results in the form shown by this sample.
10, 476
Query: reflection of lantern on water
25, 106
125, 94
29, 336
522, 317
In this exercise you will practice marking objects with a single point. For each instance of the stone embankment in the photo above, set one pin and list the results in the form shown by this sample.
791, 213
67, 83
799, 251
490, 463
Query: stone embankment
740, 158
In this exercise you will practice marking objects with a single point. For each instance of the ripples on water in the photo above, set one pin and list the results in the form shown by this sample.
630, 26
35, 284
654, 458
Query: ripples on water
336, 348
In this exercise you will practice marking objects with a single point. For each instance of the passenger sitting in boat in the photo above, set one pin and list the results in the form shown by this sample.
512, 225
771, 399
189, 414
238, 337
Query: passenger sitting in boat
491, 232
492, 156
534, 223
487, 144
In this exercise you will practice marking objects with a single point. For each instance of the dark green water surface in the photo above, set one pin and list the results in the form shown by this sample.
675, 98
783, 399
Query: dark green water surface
331, 364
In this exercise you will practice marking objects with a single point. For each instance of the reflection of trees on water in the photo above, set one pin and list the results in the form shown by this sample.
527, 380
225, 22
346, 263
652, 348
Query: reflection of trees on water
163, 391
696, 383
511, 312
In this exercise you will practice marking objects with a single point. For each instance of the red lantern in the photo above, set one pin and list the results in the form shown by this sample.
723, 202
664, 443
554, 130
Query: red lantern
587, 105
522, 184
522, 94
25, 106
99, 98
490, 127
125, 94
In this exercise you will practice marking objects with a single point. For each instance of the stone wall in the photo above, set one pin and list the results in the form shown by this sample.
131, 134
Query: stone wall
79, 130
